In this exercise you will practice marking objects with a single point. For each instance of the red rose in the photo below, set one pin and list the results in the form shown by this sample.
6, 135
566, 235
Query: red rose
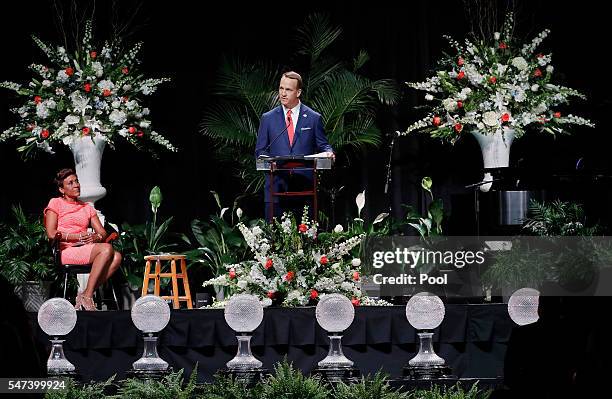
44, 134
140, 133
460, 61
493, 79
125, 99
289, 276
30, 127
302, 228
86, 130
132, 129
314, 294
458, 127
356, 276
106, 93
93, 54
87, 87
37, 99
69, 71
232, 274
323, 260
537, 73
461, 75
540, 55
436, 121
459, 104
268, 264
557, 114
355, 302
124, 70
505, 117
503, 45
270, 294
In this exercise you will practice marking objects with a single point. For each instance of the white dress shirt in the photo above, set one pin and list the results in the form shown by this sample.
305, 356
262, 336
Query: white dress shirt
295, 114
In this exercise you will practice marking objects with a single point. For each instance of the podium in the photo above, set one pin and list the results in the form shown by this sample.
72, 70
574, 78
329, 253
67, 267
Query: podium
293, 163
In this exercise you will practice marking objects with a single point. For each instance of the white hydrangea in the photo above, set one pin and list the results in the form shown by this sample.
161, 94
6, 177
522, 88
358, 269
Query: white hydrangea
72, 119
519, 63
42, 111
62, 77
117, 117
97, 68
490, 118
429, 97
106, 85
449, 104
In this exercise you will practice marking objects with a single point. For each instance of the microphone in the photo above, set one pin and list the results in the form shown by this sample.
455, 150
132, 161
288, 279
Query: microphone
267, 148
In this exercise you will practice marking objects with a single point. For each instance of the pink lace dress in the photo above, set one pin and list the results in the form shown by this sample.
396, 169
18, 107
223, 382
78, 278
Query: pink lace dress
72, 218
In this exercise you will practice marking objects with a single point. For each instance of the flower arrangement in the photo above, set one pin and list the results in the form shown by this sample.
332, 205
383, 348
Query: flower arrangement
492, 86
295, 264
96, 92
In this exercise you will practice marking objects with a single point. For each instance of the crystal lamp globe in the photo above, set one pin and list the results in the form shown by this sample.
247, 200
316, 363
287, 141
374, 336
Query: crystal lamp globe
243, 313
425, 311
150, 314
57, 317
523, 306
335, 313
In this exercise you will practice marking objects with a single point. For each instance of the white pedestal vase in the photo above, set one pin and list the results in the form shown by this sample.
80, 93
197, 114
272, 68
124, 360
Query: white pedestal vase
87, 152
495, 150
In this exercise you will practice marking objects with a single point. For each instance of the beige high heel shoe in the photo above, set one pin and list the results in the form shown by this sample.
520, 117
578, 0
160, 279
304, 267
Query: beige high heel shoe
88, 303
78, 302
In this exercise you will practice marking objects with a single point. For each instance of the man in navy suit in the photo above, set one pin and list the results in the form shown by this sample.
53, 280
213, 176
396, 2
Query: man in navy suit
292, 128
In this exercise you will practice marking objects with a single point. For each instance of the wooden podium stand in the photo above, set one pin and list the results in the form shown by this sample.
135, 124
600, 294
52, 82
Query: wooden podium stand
293, 163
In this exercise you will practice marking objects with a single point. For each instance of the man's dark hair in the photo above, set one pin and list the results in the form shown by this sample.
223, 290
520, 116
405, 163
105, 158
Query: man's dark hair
296, 76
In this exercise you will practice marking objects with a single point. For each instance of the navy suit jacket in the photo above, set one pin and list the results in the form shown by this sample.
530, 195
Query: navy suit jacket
309, 138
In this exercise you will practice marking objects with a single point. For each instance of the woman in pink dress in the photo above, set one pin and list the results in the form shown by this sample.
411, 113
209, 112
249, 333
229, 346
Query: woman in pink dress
71, 217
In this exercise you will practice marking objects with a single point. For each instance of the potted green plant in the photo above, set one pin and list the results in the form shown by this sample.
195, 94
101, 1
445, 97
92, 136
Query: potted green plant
26, 258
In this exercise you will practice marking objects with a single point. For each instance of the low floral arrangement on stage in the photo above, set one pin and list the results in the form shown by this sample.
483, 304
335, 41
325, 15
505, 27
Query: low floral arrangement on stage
95, 91
495, 85
295, 264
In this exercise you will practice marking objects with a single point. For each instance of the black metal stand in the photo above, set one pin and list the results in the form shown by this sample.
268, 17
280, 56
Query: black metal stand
428, 373
156, 375
337, 374
246, 376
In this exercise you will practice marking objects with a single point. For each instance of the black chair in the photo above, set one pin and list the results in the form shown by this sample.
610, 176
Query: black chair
74, 270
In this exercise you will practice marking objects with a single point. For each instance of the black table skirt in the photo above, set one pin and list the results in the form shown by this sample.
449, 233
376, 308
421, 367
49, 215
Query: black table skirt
472, 339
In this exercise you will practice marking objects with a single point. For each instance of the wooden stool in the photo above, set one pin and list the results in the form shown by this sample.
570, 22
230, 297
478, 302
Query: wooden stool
173, 275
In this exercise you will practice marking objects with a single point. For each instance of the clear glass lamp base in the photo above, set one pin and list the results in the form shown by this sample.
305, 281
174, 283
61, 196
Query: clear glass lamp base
335, 358
57, 362
426, 356
150, 360
244, 359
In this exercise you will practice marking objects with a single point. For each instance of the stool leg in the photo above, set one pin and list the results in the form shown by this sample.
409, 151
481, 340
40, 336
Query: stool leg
175, 293
145, 279
157, 278
186, 283
114, 295
65, 283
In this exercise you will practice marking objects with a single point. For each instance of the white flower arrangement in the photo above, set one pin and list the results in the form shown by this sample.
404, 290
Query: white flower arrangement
295, 264
495, 86
93, 93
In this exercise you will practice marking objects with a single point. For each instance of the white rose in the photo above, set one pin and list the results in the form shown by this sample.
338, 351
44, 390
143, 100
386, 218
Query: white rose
239, 213
519, 63
550, 69
490, 118
496, 35
46, 83
540, 108
338, 228
449, 104
72, 119
145, 124
356, 262
535, 87
428, 97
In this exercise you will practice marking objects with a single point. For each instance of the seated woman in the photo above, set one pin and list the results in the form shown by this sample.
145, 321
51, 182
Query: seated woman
71, 217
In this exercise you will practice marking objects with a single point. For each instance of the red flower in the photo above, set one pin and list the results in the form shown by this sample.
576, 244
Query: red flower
314, 294
106, 93
232, 274
140, 133
69, 71
125, 99
540, 55
493, 79
93, 54
132, 129
503, 45
87, 87
356, 276
289, 276
124, 70
460, 61
86, 130
436, 121
458, 127
44, 134
459, 104
268, 264
30, 127
505, 117
37, 99
355, 302
461, 75
302, 227
537, 73
557, 114
271, 294
323, 260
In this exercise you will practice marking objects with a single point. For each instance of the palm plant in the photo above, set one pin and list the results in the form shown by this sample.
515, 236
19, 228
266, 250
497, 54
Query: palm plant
347, 100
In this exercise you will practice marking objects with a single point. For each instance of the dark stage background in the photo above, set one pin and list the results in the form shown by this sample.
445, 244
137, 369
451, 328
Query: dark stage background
186, 40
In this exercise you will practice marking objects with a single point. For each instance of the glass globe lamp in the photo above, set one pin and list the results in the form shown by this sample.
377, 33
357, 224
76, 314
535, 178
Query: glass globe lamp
57, 317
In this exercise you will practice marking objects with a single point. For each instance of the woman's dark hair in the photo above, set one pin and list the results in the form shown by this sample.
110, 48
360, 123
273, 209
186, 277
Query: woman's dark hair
61, 175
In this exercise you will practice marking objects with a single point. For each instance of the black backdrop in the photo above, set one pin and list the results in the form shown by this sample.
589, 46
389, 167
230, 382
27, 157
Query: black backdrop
186, 41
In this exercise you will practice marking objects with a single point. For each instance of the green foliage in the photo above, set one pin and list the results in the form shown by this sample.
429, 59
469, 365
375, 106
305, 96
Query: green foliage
454, 392
229, 388
24, 249
94, 390
347, 100
287, 382
170, 387
558, 218
432, 224
370, 387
